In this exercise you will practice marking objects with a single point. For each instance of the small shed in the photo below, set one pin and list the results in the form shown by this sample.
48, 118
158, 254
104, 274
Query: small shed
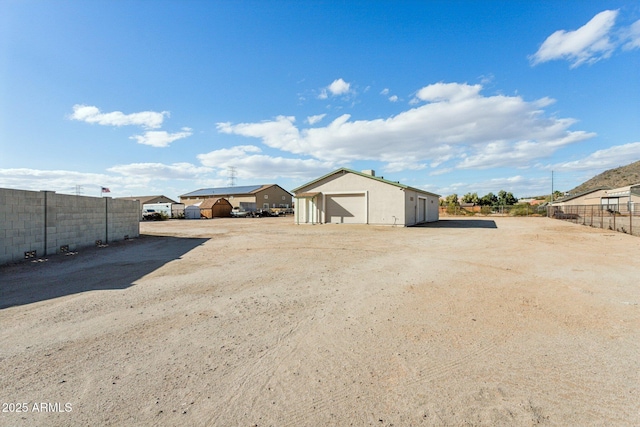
215, 208
192, 212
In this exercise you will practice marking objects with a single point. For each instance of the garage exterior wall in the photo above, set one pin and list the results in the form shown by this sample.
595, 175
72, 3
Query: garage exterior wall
383, 201
413, 207
43, 221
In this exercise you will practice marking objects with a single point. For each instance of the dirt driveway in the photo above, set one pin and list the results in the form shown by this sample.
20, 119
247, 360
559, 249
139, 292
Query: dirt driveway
244, 322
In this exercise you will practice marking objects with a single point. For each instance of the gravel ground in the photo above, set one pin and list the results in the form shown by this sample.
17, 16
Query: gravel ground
259, 322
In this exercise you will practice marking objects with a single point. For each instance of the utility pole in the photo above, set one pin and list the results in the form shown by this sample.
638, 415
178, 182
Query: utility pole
232, 176
78, 190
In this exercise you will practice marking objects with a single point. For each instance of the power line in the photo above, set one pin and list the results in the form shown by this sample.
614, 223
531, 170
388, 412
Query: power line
232, 176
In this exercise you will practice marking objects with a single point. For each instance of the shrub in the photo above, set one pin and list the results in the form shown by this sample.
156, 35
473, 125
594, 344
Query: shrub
521, 209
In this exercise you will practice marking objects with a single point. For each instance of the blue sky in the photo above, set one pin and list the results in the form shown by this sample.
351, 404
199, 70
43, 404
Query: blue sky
165, 97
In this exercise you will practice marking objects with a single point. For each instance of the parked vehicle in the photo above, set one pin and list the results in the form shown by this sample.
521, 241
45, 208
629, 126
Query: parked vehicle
151, 215
237, 212
161, 208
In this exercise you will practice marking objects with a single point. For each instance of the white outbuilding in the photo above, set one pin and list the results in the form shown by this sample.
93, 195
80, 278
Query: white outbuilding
349, 197
192, 212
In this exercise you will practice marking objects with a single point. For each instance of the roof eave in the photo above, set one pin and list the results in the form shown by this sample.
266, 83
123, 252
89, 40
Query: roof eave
396, 184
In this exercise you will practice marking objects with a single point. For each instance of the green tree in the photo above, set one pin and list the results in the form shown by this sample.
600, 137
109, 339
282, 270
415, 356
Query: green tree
471, 198
556, 195
506, 199
488, 200
452, 200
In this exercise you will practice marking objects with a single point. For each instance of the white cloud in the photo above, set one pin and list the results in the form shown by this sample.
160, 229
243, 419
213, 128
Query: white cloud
312, 120
392, 98
336, 88
91, 114
55, 180
122, 180
160, 171
631, 36
339, 87
448, 92
518, 185
457, 122
70, 182
612, 157
224, 157
249, 164
587, 44
160, 138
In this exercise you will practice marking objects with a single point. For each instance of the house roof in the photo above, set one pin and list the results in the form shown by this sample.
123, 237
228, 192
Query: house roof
229, 191
223, 191
584, 193
148, 199
345, 170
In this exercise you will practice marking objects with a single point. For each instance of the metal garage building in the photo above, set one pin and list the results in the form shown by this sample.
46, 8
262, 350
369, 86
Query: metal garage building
349, 197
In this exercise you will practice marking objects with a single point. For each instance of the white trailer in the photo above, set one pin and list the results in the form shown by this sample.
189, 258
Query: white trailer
162, 208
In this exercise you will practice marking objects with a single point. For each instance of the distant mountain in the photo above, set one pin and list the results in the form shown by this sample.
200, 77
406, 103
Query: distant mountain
618, 177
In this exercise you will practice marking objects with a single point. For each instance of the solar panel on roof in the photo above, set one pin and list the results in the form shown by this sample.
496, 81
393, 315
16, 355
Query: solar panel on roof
245, 189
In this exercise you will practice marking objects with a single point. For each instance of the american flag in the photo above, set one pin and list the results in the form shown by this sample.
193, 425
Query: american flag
105, 190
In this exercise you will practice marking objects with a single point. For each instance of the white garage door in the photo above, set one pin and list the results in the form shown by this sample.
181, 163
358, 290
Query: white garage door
346, 209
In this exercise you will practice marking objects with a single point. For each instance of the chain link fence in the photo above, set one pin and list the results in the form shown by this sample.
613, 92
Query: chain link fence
620, 218
514, 210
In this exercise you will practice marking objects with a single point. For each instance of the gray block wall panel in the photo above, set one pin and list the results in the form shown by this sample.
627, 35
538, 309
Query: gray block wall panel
77, 221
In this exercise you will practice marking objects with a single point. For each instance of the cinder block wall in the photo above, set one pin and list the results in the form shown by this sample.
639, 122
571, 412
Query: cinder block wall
43, 221
21, 223
123, 219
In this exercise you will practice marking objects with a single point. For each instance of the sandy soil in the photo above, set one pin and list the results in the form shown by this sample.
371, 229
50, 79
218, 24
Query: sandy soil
245, 322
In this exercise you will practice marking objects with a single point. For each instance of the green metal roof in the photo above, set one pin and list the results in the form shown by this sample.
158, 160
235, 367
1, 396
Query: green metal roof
386, 181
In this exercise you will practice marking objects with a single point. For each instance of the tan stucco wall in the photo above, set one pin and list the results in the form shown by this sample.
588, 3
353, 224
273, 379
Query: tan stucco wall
384, 201
587, 199
276, 196
412, 203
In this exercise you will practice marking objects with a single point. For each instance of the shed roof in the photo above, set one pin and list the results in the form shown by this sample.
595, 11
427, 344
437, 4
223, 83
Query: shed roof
345, 170
208, 204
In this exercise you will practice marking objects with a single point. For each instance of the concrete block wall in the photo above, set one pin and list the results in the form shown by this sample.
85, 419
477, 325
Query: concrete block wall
21, 223
123, 219
43, 221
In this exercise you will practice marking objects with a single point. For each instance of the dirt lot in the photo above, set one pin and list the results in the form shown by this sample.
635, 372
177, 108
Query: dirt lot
225, 322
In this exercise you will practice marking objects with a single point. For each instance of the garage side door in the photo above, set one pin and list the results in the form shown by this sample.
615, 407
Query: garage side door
346, 209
